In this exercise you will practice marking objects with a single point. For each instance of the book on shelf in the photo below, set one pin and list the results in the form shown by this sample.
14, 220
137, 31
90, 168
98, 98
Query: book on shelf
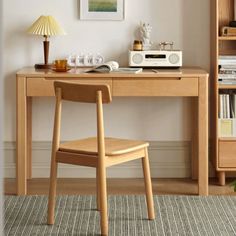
227, 60
233, 105
227, 105
227, 76
228, 31
220, 106
227, 114
227, 82
227, 68
227, 73
227, 101
113, 67
227, 127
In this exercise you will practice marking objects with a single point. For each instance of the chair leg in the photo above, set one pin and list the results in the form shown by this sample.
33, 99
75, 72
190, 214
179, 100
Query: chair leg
52, 193
98, 188
148, 186
103, 201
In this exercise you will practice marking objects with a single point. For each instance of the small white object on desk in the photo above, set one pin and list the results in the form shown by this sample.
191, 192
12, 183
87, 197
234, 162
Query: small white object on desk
145, 30
82, 60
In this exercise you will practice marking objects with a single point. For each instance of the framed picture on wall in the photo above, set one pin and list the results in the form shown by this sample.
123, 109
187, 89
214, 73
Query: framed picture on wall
101, 9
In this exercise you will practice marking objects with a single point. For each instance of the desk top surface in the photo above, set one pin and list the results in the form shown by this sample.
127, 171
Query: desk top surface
81, 72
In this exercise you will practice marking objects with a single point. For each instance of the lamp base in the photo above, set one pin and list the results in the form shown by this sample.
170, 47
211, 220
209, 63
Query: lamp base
43, 66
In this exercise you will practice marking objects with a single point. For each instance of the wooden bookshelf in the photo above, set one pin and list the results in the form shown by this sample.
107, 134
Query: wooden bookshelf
223, 151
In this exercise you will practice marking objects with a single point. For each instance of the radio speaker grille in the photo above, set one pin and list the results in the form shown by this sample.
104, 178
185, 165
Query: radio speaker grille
174, 58
137, 58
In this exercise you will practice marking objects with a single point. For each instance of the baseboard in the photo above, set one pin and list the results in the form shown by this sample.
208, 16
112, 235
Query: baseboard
169, 159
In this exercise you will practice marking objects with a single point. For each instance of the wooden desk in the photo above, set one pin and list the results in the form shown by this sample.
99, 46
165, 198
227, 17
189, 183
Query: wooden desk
185, 82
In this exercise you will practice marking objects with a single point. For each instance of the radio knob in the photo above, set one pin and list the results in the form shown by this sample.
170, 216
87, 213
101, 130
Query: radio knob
137, 58
174, 58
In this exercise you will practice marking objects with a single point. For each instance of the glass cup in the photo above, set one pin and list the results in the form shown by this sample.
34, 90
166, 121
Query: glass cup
80, 59
97, 59
61, 64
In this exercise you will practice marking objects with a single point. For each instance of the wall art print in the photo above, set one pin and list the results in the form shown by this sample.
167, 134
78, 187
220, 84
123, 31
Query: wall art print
101, 9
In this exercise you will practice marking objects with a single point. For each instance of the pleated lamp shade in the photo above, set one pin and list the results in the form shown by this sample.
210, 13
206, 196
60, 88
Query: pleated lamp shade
46, 25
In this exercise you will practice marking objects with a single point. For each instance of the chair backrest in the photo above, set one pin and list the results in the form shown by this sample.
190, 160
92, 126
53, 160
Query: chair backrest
87, 93
83, 92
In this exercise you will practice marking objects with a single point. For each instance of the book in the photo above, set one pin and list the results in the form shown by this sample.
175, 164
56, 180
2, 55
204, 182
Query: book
113, 67
127, 70
231, 103
228, 31
234, 104
227, 106
228, 68
227, 115
105, 67
227, 60
224, 106
227, 76
227, 82
220, 106
225, 127
234, 127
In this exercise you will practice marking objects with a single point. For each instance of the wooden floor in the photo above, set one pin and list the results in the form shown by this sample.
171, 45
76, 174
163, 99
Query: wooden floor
120, 186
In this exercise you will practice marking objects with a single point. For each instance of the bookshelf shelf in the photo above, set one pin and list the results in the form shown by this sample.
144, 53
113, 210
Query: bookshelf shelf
227, 86
222, 38
223, 148
227, 139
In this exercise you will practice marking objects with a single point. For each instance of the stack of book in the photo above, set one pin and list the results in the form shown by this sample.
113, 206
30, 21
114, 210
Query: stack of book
228, 31
227, 114
227, 70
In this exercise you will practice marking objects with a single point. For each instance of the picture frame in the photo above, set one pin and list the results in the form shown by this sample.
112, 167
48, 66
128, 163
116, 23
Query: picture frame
102, 10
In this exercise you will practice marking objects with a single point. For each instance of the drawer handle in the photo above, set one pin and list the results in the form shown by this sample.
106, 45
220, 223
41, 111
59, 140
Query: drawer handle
167, 78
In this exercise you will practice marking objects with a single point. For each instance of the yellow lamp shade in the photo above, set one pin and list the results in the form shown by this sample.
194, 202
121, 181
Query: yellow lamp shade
46, 25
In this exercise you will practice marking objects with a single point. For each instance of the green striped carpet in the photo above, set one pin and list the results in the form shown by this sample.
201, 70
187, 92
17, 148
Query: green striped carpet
76, 215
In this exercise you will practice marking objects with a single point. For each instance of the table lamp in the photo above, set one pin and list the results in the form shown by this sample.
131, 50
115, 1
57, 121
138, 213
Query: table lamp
45, 26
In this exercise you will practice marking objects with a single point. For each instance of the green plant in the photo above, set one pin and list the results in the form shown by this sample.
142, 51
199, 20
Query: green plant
234, 185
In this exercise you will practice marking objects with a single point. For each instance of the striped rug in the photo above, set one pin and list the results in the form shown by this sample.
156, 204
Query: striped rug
76, 215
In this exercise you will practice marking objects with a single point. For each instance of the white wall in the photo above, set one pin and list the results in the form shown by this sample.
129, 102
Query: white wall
161, 119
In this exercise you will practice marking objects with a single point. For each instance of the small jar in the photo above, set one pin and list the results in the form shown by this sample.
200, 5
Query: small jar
138, 45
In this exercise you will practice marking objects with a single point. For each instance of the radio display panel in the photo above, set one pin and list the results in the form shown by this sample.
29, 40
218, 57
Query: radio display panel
155, 56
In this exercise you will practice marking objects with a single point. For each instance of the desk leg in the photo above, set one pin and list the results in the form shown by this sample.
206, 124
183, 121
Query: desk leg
29, 137
203, 136
194, 156
21, 136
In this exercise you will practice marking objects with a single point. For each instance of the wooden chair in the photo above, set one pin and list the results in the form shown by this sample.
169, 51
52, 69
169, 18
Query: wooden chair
98, 152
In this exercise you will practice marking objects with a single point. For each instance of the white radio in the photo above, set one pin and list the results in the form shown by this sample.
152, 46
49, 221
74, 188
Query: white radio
155, 58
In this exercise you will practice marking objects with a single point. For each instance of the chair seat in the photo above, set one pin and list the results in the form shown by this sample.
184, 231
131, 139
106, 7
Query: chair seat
113, 146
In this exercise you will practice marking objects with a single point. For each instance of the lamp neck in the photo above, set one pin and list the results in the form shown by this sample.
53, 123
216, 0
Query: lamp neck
46, 51
45, 38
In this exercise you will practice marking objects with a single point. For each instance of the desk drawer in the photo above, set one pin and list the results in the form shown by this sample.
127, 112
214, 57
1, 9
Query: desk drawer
155, 87
227, 153
44, 87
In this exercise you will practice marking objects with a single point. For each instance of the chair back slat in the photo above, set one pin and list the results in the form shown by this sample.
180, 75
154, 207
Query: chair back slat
83, 92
